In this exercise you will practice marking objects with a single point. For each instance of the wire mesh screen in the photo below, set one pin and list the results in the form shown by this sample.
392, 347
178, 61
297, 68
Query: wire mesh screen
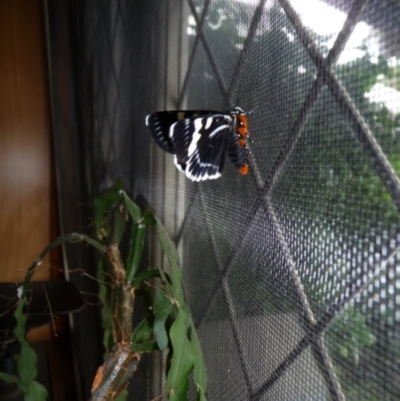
292, 272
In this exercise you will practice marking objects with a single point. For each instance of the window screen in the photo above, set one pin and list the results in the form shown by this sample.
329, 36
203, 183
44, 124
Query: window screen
292, 272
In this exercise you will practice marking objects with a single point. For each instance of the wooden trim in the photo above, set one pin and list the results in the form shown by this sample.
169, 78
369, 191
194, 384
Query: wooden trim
28, 207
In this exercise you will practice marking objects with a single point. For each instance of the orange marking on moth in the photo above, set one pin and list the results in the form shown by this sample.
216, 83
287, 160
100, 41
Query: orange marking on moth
242, 131
244, 169
242, 120
242, 126
242, 142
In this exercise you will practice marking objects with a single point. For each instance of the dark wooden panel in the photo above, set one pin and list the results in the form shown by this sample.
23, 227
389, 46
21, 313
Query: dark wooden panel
27, 200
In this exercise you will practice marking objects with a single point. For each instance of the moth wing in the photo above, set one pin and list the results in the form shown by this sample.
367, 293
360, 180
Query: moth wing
200, 145
161, 121
159, 124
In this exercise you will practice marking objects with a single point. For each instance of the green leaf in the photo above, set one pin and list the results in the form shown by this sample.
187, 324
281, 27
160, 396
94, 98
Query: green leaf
103, 202
145, 275
167, 245
162, 309
201, 396
142, 332
186, 352
100, 206
133, 208
148, 218
8, 378
35, 392
176, 280
27, 358
164, 277
199, 371
108, 341
136, 250
118, 225
182, 359
145, 347
27, 364
19, 329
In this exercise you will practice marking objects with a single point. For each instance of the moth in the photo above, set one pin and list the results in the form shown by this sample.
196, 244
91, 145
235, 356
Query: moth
200, 140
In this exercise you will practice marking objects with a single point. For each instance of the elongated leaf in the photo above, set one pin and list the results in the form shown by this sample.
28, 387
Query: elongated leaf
133, 208
162, 309
35, 392
201, 395
186, 351
167, 245
142, 332
199, 371
19, 329
145, 275
8, 378
27, 359
148, 218
103, 202
27, 364
176, 280
182, 359
165, 278
145, 347
118, 225
136, 250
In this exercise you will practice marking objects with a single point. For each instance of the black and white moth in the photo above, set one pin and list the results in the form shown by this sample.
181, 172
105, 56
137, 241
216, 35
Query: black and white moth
200, 139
